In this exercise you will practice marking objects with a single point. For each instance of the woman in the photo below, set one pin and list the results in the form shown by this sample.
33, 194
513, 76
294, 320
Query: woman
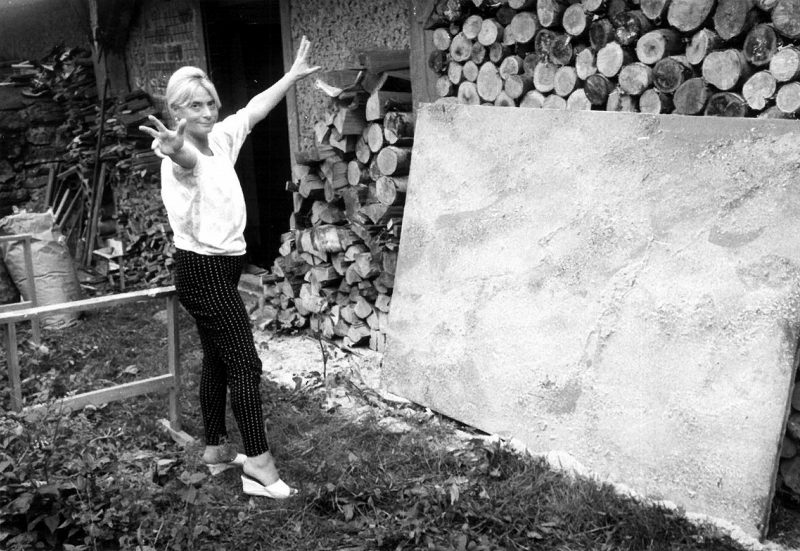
206, 210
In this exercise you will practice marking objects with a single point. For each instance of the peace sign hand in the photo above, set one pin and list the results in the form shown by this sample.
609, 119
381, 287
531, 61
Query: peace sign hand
166, 142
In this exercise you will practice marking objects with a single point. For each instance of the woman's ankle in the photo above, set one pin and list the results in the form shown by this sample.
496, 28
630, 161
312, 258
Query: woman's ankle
262, 467
222, 453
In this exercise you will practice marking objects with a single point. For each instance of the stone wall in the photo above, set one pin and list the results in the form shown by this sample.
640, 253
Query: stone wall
34, 133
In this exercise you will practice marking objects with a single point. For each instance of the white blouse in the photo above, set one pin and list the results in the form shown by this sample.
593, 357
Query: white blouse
205, 205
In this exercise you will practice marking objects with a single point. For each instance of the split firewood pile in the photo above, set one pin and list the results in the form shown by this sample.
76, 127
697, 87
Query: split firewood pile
104, 191
141, 220
690, 57
337, 263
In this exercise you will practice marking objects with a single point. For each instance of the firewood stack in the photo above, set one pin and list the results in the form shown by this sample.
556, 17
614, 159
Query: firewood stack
337, 263
104, 183
692, 57
139, 213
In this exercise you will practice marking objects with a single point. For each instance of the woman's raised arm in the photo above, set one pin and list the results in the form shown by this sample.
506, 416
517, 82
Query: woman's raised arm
261, 104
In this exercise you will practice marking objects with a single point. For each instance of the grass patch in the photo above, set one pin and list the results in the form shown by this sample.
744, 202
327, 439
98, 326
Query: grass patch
108, 478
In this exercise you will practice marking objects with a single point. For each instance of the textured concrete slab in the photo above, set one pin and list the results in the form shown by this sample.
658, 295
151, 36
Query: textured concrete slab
620, 288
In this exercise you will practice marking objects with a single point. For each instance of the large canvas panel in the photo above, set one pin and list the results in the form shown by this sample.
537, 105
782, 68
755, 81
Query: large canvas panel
621, 288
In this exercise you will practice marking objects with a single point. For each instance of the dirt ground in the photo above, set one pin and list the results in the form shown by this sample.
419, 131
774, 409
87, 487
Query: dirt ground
296, 360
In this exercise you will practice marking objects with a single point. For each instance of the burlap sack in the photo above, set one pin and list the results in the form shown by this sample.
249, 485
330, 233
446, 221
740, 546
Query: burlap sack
54, 274
8, 291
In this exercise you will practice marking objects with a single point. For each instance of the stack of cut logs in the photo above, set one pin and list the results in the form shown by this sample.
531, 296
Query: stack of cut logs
106, 183
140, 217
336, 272
691, 57
99, 175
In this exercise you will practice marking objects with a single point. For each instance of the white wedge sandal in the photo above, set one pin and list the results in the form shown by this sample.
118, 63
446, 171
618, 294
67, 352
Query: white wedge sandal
276, 490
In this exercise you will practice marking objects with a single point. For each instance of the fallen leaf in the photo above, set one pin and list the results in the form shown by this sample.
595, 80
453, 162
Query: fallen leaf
22, 504
131, 370
454, 494
52, 522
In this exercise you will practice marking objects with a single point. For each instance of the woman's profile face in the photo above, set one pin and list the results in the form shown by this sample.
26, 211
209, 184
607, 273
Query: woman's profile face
200, 112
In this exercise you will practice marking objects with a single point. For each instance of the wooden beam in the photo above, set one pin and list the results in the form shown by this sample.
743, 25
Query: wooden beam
37, 332
98, 188
108, 19
12, 360
29, 274
160, 383
173, 361
423, 81
14, 238
51, 180
16, 306
292, 116
87, 304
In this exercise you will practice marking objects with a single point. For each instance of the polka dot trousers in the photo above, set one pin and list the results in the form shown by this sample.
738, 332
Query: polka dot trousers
207, 288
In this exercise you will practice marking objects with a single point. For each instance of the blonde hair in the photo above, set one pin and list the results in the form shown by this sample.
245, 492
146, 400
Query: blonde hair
182, 86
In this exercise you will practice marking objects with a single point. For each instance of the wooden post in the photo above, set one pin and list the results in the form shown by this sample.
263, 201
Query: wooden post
109, 65
98, 188
25, 239
174, 362
421, 41
37, 334
51, 180
291, 96
12, 359
121, 262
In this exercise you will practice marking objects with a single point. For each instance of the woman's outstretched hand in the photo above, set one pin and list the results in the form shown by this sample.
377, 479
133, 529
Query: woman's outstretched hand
300, 68
166, 142
261, 104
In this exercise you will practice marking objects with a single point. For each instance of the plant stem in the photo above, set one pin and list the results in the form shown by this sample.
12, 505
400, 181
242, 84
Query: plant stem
324, 358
